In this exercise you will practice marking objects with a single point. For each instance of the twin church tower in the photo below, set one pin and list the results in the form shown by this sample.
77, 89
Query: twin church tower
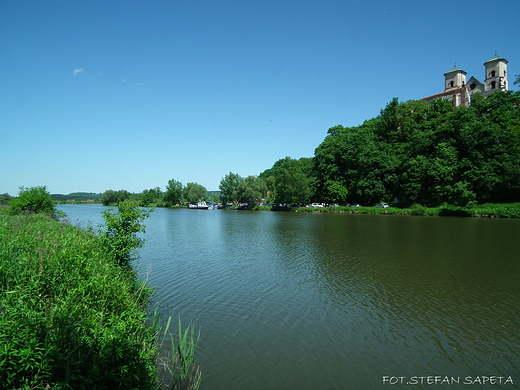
460, 91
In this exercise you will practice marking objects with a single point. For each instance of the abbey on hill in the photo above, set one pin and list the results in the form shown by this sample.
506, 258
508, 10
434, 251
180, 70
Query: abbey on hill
460, 92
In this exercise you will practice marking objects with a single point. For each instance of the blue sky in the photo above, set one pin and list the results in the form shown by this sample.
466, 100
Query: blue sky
98, 95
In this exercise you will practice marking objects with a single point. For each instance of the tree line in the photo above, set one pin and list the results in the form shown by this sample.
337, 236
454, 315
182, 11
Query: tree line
175, 194
414, 152
426, 153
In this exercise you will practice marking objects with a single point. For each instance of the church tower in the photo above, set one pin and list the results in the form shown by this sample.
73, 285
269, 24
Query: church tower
454, 79
496, 75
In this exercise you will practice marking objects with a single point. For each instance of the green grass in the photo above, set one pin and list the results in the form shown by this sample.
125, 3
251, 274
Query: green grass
70, 317
489, 210
510, 210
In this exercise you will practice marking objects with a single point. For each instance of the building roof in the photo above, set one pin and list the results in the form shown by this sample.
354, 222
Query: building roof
445, 93
496, 58
455, 70
473, 79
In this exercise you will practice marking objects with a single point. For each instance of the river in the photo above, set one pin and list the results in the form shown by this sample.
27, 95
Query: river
338, 301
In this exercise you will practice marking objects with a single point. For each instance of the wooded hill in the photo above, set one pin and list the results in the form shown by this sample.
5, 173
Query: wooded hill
426, 153
77, 196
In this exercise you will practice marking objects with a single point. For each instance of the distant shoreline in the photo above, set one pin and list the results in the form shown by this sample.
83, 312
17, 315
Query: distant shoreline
488, 210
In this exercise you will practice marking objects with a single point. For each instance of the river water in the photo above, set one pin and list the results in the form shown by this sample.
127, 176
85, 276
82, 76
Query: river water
335, 301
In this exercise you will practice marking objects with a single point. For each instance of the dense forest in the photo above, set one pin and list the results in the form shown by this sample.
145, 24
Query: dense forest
428, 153
414, 152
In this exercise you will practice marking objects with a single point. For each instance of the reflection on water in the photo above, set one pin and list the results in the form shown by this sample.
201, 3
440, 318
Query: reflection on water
312, 301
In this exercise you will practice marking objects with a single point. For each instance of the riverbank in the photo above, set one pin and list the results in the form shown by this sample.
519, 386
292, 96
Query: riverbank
70, 316
488, 210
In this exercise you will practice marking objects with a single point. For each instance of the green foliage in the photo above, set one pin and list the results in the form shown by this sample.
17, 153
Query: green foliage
229, 187
71, 318
120, 234
5, 198
77, 196
180, 365
251, 190
291, 180
194, 192
509, 210
151, 197
428, 153
355, 159
111, 197
173, 193
334, 192
214, 196
33, 200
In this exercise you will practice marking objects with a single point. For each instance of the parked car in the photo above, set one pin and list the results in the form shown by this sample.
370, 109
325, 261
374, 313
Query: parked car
382, 205
356, 205
315, 205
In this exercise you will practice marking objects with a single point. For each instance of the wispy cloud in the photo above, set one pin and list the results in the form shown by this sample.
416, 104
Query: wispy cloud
77, 71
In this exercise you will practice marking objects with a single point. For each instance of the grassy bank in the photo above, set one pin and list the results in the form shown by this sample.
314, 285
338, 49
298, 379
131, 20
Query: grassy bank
509, 210
70, 317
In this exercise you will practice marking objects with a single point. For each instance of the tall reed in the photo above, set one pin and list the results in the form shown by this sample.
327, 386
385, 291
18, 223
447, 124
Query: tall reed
179, 361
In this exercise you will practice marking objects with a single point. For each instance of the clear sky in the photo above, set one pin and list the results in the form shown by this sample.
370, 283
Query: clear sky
98, 95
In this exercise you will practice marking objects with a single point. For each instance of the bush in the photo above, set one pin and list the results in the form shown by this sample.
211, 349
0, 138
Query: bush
33, 200
70, 318
5, 198
120, 235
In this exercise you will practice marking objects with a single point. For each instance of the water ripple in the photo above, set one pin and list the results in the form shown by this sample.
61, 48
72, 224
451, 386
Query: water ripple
308, 301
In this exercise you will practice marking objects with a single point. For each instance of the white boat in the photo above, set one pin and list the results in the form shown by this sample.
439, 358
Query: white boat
199, 206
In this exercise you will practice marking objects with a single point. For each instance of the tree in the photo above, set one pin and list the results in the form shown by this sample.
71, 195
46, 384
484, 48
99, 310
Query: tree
113, 197
229, 187
214, 197
251, 190
291, 184
5, 198
194, 192
33, 200
173, 193
359, 161
268, 177
334, 192
120, 234
151, 196
426, 152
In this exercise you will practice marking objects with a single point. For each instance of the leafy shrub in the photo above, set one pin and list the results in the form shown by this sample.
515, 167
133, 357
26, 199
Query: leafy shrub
120, 235
5, 198
33, 200
70, 317
508, 210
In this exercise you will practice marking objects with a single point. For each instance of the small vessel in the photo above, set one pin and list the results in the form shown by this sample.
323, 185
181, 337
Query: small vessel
199, 206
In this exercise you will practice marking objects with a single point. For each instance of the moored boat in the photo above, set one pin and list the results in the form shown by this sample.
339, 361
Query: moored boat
199, 206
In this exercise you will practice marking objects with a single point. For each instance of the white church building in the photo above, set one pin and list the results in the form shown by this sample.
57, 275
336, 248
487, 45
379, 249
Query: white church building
460, 91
